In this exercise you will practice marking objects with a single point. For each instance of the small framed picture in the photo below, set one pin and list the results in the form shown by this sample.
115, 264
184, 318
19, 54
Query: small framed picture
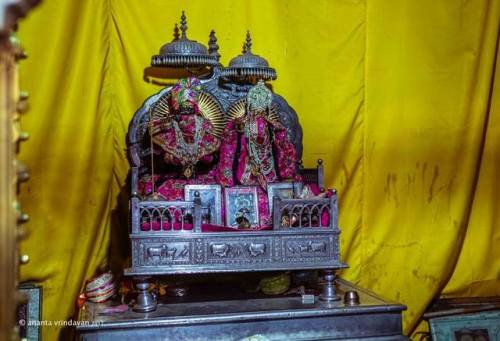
211, 201
283, 190
242, 206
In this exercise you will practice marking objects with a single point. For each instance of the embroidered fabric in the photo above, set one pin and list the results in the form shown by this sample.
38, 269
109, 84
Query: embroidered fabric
265, 155
187, 140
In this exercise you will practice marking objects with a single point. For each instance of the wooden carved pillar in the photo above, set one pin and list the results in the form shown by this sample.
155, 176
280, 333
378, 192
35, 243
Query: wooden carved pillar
12, 103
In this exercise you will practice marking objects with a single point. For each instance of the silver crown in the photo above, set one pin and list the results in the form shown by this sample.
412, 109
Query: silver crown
249, 64
182, 52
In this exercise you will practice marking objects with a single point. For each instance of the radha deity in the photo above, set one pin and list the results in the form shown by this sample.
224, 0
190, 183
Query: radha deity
258, 140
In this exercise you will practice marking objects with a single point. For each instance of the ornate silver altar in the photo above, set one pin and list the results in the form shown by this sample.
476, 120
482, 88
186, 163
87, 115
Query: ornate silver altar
189, 251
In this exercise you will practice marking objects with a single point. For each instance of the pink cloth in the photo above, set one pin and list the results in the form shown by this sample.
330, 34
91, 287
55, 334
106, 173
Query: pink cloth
271, 139
171, 189
165, 136
156, 226
204, 227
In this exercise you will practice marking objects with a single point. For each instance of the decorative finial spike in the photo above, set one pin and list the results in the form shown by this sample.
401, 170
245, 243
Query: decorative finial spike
248, 43
212, 40
176, 32
183, 25
213, 48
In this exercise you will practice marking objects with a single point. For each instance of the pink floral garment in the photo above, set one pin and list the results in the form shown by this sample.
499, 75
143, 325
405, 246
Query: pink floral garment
166, 137
273, 140
172, 189
227, 153
282, 165
265, 150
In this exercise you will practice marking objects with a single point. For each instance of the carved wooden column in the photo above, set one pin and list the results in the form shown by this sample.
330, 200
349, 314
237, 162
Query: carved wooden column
12, 103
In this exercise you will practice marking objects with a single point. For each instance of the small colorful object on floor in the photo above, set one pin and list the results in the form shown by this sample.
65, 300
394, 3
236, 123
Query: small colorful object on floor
98, 289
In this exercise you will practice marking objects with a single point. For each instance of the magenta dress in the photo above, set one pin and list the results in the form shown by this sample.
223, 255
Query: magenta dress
191, 139
258, 155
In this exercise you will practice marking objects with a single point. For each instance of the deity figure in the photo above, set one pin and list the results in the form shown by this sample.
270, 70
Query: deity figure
258, 141
185, 136
185, 124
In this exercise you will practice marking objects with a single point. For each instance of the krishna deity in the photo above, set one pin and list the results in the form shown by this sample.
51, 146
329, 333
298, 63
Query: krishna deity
186, 124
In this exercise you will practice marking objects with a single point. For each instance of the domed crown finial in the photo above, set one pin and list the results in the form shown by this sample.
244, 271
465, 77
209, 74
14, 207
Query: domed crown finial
183, 25
183, 52
213, 48
176, 32
247, 47
249, 64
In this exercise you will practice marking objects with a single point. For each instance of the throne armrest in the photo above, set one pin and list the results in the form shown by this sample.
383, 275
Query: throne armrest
313, 175
305, 213
161, 215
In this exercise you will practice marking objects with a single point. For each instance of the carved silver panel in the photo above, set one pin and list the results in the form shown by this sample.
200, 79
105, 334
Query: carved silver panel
154, 252
196, 252
306, 248
238, 250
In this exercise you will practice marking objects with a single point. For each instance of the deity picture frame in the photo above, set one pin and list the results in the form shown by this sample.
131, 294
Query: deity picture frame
283, 190
241, 201
211, 201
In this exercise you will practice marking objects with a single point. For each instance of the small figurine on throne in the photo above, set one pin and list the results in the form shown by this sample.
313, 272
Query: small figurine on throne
255, 149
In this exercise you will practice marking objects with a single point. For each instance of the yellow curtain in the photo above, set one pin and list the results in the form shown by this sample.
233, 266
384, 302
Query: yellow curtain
397, 97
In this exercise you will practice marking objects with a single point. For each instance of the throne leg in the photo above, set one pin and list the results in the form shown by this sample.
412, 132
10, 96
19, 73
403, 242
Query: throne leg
329, 293
146, 302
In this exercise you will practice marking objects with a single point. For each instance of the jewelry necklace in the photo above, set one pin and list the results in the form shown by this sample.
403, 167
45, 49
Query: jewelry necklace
187, 153
258, 152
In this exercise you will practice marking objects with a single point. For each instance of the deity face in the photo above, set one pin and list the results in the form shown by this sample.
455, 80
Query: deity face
186, 109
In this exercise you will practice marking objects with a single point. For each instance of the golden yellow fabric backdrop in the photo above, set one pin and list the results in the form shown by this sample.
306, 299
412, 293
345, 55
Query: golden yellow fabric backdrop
397, 97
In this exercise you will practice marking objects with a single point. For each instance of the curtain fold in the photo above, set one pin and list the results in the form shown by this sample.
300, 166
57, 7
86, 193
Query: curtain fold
398, 98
